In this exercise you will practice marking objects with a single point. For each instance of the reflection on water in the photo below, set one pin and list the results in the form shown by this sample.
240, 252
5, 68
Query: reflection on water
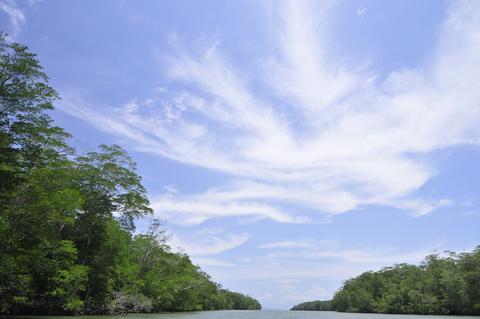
263, 314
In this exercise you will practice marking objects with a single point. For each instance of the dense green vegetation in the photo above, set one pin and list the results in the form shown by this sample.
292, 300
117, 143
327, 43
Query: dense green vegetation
66, 219
316, 305
440, 285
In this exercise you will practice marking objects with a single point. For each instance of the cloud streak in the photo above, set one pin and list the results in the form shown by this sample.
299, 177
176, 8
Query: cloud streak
338, 139
204, 245
15, 15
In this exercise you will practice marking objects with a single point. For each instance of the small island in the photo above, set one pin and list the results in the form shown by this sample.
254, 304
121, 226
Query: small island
448, 285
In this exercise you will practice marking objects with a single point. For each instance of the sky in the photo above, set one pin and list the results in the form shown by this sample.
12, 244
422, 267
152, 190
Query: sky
288, 145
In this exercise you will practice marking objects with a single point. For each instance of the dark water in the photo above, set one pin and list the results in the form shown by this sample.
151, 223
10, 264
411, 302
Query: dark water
263, 314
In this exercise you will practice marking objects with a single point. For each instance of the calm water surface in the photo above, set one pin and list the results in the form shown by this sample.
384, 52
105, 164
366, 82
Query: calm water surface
263, 314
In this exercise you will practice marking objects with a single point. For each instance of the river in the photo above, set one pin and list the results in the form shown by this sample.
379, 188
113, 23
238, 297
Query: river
261, 314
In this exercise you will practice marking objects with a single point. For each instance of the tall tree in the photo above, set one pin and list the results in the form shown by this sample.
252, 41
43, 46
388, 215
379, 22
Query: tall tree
67, 220
34, 198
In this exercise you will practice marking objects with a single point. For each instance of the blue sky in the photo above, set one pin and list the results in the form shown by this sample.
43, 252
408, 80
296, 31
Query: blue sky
289, 145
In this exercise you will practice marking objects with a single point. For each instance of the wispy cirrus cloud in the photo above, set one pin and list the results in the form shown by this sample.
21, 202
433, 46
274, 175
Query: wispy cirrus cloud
15, 15
205, 244
288, 244
191, 210
328, 136
208, 242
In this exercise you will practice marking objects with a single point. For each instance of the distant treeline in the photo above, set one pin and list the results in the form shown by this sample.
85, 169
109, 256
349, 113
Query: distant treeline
440, 285
67, 242
316, 305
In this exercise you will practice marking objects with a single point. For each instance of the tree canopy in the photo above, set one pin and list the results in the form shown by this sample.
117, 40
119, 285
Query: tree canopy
67, 219
440, 285
316, 305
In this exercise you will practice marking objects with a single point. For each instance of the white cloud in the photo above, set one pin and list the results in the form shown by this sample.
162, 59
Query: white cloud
15, 15
34, 2
331, 251
361, 11
340, 138
190, 210
207, 242
170, 189
288, 244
